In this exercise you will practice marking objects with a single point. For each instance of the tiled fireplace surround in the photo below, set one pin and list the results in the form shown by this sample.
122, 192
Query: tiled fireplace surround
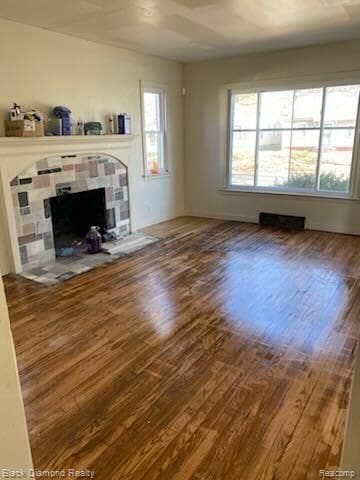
63, 166
63, 175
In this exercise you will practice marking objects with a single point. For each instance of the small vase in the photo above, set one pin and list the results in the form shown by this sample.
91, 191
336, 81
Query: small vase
93, 240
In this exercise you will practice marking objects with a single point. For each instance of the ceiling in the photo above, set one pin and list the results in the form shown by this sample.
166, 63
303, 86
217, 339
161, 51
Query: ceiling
188, 30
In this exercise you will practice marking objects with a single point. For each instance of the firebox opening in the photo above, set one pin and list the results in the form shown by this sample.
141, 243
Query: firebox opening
73, 214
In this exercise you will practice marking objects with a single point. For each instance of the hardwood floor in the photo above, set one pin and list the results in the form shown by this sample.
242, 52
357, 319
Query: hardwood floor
222, 352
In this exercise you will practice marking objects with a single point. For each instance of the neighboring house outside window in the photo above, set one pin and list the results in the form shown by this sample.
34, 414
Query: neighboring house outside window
154, 129
296, 141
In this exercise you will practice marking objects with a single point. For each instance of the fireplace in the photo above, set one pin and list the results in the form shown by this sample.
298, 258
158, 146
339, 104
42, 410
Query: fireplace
58, 198
72, 216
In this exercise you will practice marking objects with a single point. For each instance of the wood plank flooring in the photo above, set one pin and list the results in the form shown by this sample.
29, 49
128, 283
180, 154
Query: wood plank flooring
222, 352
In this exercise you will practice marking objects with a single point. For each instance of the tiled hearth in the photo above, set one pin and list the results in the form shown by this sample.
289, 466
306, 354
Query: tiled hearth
64, 175
65, 268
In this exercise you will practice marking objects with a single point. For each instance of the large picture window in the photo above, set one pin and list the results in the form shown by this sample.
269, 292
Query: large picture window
293, 140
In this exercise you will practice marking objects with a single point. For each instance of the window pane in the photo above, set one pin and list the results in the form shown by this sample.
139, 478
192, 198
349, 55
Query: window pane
152, 111
153, 152
303, 159
273, 158
307, 108
336, 157
245, 111
276, 109
341, 106
243, 158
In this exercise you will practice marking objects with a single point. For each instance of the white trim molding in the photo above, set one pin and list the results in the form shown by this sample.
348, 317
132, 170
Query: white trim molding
161, 90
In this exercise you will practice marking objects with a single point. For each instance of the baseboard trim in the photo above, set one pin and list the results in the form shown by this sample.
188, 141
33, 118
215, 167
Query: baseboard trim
322, 227
216, 216
331, 228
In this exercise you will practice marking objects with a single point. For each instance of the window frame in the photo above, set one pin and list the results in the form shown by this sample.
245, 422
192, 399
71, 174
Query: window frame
161, 90
274, 86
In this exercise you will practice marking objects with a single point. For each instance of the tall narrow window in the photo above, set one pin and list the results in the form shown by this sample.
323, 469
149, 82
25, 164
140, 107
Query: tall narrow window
293, 140
154, 131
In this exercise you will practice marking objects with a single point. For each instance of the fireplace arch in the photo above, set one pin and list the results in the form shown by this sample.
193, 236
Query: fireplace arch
57, 176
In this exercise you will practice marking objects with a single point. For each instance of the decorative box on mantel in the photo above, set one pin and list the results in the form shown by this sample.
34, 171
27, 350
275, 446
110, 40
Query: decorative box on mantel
35, 169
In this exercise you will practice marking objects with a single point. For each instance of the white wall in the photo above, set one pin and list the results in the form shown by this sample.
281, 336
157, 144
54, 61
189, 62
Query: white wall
42, 69
204, 135
14, 448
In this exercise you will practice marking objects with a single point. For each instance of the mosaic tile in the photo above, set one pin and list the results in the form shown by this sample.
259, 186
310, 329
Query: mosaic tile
38, 271
25, 211
22, 220
81, 268
110, 218
47, 208
46, 257
23, 199
28, 228
109, 191
123, 180
42, 181
118, 195
109, 169
50, 275
36, 195
23, 255
64, 177
67, 168
37, 210
25, 181
124, 206
24, 239
14, 182
63, 190
123, 229
49, 281
80, 186
44, 225
66, 276
81, 167
73, 157
124, 214
35, 247
45, 172
59, 267
93, 169
42, 164
48, 240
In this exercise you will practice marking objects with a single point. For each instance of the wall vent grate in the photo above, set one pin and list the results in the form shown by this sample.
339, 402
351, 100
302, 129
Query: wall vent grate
282, 221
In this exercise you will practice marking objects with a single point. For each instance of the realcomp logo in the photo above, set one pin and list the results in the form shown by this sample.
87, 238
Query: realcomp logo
337, 473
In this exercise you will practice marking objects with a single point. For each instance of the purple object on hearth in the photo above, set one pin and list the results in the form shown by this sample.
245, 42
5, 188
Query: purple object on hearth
93, 240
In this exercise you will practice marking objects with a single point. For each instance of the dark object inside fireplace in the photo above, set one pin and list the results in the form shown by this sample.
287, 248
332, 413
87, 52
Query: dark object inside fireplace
73, 214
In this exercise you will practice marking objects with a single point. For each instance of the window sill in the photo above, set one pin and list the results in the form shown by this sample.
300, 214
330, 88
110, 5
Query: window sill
155, 176
231, 190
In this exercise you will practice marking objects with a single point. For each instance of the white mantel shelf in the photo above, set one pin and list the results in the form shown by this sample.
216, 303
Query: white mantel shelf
63, 144
66, 139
